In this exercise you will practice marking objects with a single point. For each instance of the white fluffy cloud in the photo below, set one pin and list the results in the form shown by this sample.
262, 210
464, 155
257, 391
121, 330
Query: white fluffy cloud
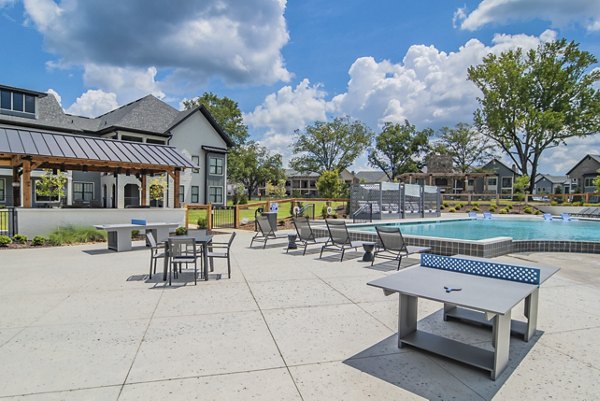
239, 42
558, 12
56, 95
561, 159
93, 103
428, 87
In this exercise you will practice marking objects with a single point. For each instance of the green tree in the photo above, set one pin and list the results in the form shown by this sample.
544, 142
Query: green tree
596, 181
535, 101
275, 190
225, 112
328, 146
520, 185
466, 146
157, 188
51, 185
330, 185
253, 165
399, 148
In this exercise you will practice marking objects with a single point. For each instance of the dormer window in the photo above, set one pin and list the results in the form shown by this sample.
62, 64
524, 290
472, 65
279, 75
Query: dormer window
17, 103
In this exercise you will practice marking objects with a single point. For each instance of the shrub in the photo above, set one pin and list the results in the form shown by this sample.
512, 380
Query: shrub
475, 209
445, 204
553, 203
202, 222
135, 233
451, 210
538, 212
476, 204
442, 207
5, 240
38, 240
493, 209
528, 210
503, 211
509, 206
180, 231
458, 206
19, 238
71, 235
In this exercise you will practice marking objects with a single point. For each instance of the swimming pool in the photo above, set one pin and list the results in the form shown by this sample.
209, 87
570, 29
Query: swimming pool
517, 229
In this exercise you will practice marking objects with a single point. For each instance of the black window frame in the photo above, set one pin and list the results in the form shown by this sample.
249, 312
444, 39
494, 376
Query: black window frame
182, 194
212, 198
195, 194
196, 161
2, 190
213, 169
85, 185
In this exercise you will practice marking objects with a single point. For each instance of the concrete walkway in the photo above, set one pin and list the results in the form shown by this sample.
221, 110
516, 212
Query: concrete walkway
81, 323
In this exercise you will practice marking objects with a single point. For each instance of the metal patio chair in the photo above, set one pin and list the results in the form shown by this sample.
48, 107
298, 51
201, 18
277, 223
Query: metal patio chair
306, 236
221, 250
392, 245
339, 238
265, 231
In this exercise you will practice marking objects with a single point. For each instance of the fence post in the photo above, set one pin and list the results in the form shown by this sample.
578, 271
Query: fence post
209, 217
469, 198
236, 217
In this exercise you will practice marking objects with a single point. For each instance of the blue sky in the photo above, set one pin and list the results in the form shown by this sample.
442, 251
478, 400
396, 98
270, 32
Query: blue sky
286, 64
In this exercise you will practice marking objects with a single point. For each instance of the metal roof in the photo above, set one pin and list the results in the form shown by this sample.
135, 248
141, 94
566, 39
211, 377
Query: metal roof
52, 144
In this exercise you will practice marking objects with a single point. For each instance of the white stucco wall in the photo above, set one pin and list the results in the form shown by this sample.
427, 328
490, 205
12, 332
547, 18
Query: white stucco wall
32, 222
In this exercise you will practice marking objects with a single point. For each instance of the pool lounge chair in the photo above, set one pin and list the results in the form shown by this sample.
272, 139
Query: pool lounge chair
392, 246
565, 216
487, 216
472, 215
306, 236
547, 217
339, 238
265, 231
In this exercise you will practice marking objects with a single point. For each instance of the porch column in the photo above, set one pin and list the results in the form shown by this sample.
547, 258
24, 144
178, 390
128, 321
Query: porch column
26, 187
16, 187
176, 180
143, 183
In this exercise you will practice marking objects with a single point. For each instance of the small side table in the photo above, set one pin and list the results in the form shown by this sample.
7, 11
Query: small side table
368, 247
292, 241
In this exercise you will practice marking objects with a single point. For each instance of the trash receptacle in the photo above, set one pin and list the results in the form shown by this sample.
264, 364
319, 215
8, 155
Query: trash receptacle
272, 217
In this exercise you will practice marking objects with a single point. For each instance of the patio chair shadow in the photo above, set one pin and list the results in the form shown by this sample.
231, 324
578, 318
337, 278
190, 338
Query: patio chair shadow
432, 376
392, 265
335, 257
270, 246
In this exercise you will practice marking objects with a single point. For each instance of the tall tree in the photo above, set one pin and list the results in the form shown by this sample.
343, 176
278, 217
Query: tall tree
465, 146
330, 185
225, 112
253, 165
327, 146
536, 101
399, 149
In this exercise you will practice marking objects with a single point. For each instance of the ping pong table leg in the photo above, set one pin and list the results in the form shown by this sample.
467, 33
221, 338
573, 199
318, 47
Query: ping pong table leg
501, 343
448, 308
531, 311
407, 316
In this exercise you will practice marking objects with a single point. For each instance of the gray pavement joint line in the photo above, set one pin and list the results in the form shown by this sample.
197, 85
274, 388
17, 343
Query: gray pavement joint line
270, 332
71, 390
571, 356
140, 344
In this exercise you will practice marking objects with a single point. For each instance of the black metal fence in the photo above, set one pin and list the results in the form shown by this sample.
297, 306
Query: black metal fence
8, 221
223, 216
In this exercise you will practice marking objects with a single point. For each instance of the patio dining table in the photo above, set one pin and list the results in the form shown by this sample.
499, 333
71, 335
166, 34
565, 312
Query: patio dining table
203, 239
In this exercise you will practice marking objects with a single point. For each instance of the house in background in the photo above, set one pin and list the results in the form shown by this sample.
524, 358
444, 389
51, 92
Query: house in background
369, 177
548, 184
26, 115
585, 171
305, 184
498, 179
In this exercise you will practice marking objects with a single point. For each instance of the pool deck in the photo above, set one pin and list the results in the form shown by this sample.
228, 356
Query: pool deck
83, 323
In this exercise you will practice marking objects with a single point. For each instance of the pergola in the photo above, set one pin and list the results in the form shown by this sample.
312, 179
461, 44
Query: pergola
409, 177
24, 151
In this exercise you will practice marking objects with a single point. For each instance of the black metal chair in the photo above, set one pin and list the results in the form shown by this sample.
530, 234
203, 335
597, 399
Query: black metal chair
182, 251
156, 252
339, 238
392, 246
265, 231
223, 251
306, 236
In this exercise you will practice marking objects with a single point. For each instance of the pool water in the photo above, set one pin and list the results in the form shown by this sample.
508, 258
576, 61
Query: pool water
517, 229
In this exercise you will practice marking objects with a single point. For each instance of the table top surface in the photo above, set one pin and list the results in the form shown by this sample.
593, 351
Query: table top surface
477, 292
197, 237
134, 226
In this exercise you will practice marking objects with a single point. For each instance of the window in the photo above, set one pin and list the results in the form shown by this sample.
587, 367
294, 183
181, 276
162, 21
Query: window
588, 182
181, 194
195, 194
17, 101
83, 191
215, 195
155, 141
131, 138
492, 182
215, 166
196, 161
506, 182
2, 190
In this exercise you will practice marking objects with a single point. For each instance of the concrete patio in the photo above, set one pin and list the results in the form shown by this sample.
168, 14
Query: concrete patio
82, 323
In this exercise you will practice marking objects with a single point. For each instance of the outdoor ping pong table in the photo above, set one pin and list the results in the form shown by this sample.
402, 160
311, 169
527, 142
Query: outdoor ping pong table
474, 290
119, 235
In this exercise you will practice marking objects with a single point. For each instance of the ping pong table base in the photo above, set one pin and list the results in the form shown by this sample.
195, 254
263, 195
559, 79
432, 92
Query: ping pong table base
493, 361
517, 327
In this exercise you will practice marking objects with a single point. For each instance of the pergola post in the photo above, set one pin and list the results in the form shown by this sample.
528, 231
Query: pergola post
144, 202
26, 187
16, 187
176, 179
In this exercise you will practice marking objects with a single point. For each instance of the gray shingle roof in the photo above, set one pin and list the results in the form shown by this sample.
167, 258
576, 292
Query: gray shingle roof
49, 115
54, 144
371, 176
